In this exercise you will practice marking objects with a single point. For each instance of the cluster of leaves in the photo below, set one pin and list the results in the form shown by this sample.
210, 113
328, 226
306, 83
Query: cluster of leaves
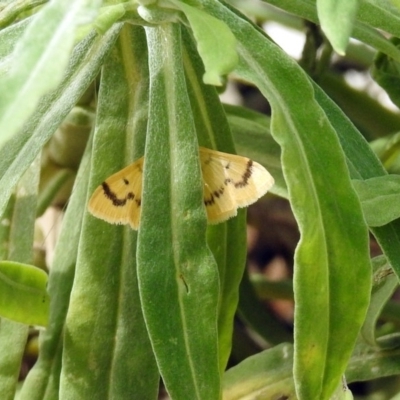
123, 308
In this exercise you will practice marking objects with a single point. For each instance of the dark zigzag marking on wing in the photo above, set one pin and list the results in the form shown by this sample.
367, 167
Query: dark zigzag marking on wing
114, 198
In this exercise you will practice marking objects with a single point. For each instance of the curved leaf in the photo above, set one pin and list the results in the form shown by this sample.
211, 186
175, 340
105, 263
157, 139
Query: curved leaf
332, 256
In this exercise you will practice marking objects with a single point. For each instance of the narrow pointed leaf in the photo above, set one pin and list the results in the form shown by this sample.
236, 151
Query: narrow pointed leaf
177, 274
227, 241
104, 308
42, 382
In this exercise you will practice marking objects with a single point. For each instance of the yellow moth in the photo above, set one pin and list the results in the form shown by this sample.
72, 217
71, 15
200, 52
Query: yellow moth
230, 182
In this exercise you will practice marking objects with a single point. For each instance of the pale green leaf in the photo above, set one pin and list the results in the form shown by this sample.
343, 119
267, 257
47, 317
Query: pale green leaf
39, 60
23, 295
337, 13
216, 43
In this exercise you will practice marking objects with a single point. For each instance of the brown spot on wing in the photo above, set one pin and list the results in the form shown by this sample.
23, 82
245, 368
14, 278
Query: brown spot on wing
114, 198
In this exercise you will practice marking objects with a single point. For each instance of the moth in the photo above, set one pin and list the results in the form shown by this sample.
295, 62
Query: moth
229, 182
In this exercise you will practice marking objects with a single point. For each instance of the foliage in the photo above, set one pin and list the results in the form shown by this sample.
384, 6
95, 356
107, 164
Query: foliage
90, 86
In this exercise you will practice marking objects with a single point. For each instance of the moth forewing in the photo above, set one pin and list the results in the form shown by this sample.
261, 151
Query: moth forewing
118, 199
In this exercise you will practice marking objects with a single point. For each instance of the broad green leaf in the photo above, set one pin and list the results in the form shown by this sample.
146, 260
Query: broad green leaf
227, 241
266, 375
334, 13
215, 43
380, 198
384, 284
23, 293
178, 276
107, 352
333, 251
20, 151
32, 71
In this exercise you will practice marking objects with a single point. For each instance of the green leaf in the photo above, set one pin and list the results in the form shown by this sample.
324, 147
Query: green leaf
334, 13
333, 251
227, 241
42, 382
32, 71
379, 198
20, 151
178, 276
215, 43
107, 352
23, 293
266, 375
